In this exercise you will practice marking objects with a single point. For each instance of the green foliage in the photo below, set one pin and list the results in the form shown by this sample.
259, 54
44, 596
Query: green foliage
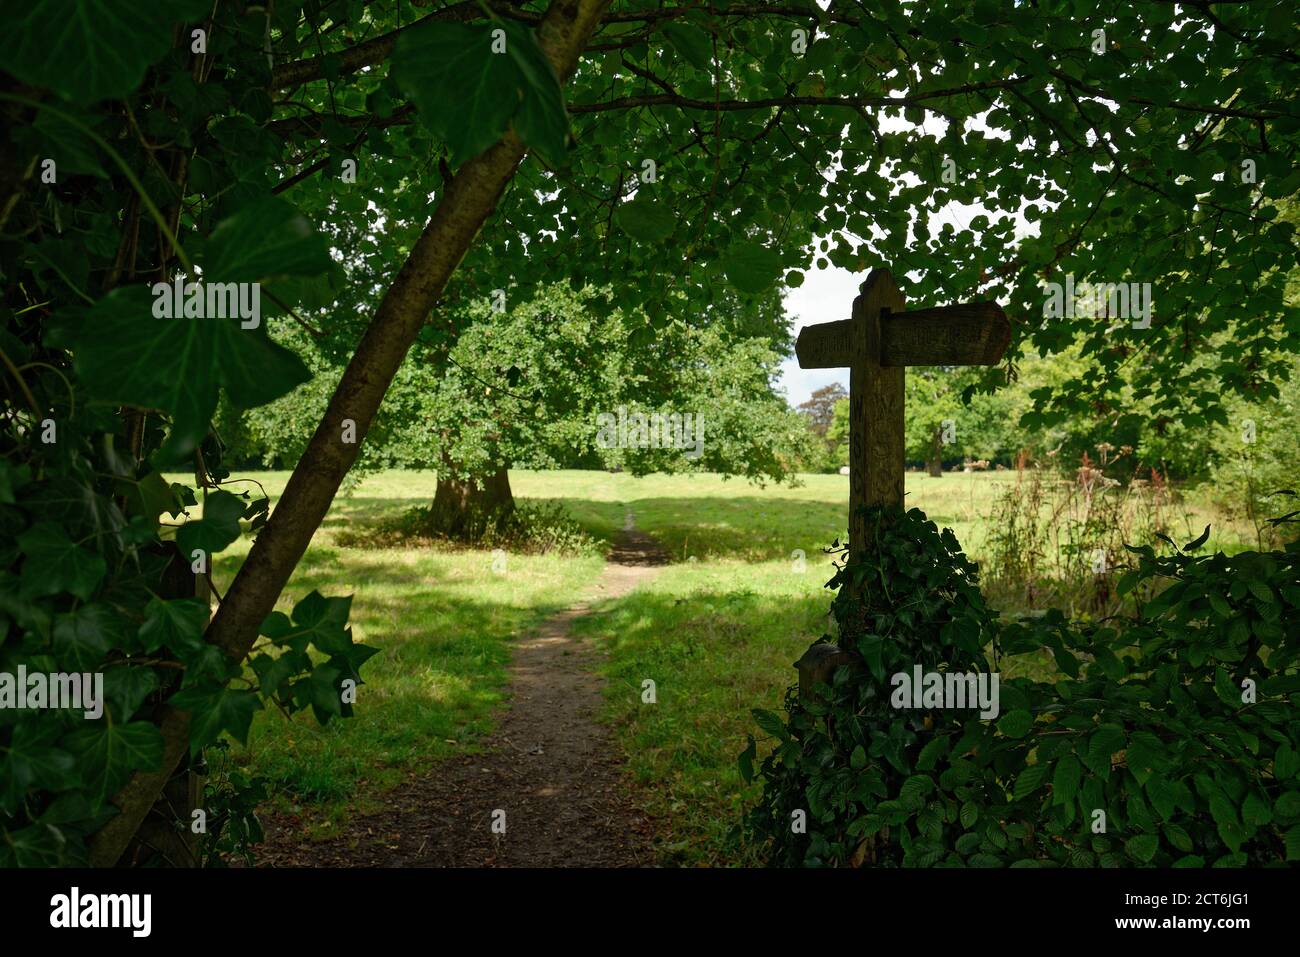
527, 528
1000, 424
1174, 727
130, 149
230, 799
525, 388
470, 80
103, 564
1256, 456
90, 586
100, 48
820, 412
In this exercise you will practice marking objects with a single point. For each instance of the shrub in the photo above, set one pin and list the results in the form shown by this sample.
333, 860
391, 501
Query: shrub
1168, 737
525, 527
1057, 534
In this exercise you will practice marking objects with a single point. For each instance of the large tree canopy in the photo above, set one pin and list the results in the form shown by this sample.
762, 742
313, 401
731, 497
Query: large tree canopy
526, 387
379, 167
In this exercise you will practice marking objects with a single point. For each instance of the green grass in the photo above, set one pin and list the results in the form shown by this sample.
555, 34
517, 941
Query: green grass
707, 516
442, 620
718, 632
718, 638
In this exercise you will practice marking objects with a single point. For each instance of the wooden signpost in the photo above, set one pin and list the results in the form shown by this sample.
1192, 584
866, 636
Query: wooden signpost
877, 343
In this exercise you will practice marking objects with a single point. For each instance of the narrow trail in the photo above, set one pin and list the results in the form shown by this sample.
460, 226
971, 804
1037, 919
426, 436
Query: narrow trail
550, 765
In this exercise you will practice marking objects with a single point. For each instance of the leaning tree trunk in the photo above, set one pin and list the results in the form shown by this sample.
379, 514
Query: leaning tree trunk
457, 502
464, 206
935, 465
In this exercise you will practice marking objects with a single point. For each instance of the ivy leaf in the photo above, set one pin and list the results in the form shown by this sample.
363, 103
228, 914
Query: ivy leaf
54, 563
90, 50
320, 690
272, 673
149, 497
108, 753
214, 709
262, 241
82, 637
126, 688
320, 620
65, 142
32, 760
177, 624
751, 268
218, 527
126, 356
464, 92
542, 121
40, 845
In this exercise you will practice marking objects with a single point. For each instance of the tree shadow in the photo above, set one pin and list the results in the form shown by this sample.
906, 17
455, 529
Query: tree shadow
431, 692
749, 528
714, 654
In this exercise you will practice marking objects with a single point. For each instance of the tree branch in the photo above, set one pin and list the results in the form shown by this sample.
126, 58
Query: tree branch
377, 50
852, 102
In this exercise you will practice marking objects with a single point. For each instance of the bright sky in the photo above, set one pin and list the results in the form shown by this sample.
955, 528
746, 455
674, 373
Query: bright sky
826, 294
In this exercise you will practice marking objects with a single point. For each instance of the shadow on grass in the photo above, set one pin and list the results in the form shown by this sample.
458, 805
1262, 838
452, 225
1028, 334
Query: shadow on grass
717, 641
444, 644
713, 655
745, 527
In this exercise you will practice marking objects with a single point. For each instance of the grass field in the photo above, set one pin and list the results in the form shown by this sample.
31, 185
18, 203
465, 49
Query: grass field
442, 620
718, 631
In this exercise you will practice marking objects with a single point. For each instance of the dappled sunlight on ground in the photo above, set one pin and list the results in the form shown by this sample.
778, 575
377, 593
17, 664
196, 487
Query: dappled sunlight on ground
718, 630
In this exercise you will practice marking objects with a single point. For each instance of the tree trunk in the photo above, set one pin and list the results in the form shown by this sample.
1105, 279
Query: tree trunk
457, 501
935, 465
465, 204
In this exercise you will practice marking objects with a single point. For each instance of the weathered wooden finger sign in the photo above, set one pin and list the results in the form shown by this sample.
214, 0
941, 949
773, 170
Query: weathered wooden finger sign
877, 343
